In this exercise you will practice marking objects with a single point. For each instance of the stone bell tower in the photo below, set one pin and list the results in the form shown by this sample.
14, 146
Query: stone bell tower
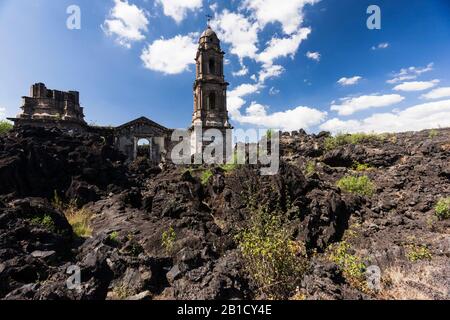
210, 88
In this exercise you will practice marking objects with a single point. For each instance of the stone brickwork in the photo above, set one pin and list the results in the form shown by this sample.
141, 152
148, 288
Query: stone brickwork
47, 107
210, 90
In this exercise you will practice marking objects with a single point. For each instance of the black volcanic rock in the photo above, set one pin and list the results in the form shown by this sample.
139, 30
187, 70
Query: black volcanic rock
134, 205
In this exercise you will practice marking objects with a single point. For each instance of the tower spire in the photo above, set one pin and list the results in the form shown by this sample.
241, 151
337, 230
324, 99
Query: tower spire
208, 20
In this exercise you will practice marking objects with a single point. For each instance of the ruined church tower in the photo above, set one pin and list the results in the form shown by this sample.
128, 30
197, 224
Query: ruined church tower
210, 87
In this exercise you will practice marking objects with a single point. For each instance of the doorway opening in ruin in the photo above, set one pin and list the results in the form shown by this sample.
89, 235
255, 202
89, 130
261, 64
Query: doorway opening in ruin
144, 148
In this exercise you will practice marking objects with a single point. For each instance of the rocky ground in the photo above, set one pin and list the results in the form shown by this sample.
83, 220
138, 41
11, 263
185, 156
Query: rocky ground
168, 233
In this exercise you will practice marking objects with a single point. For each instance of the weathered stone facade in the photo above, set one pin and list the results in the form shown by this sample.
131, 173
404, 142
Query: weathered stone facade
127, 137
46, 107
210, 91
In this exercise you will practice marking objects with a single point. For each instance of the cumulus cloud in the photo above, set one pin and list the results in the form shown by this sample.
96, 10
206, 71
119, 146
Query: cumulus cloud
437, 93
177, 9
274, 91
350, 105
241, 73
416, 85
410, 73
293, 119
126, 22
349, 81
170, 56
283, 47
235, 98
258, 115
419, 117
288, 13
270, 71
383, 45
313, 55
238, 31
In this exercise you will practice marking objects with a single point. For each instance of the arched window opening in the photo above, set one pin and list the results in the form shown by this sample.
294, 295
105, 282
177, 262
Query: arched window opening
212, 101
143, 148
212, 66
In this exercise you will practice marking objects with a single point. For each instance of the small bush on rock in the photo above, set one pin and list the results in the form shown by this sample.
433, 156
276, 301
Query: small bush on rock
206, 175
114, 237
5, 126
346, 139
433, 133
442, 209
274, 261
310, 168
168, 239
417, 253
351, 265
45, 222
360, 167
360, 185
79, 219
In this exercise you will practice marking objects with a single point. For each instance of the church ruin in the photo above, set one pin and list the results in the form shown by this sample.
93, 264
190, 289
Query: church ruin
53, 108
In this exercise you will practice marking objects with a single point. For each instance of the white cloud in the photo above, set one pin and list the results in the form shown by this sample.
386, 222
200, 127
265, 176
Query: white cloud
351, 105
171, 56
419, 117
274, 91
177, 9
437, 93
283, 47
241, 73
127, 22
410, 73
238, 31
294, 119
2, 112
270, 71
256, 114
416, 85
235, 97
313, 55
288, 12
349, 81
383, 45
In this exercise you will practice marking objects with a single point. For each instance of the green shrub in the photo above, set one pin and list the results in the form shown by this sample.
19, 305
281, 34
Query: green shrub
168, 239
360, 185
416, 253
232, 164
114, 237
206, 175
442, 208
310, 168
79, 219
346, 139
433, 133
274, 261
360, 167
351, 265
5, 126
46, 222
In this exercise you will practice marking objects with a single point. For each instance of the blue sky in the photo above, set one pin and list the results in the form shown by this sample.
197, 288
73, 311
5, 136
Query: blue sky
304, 63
